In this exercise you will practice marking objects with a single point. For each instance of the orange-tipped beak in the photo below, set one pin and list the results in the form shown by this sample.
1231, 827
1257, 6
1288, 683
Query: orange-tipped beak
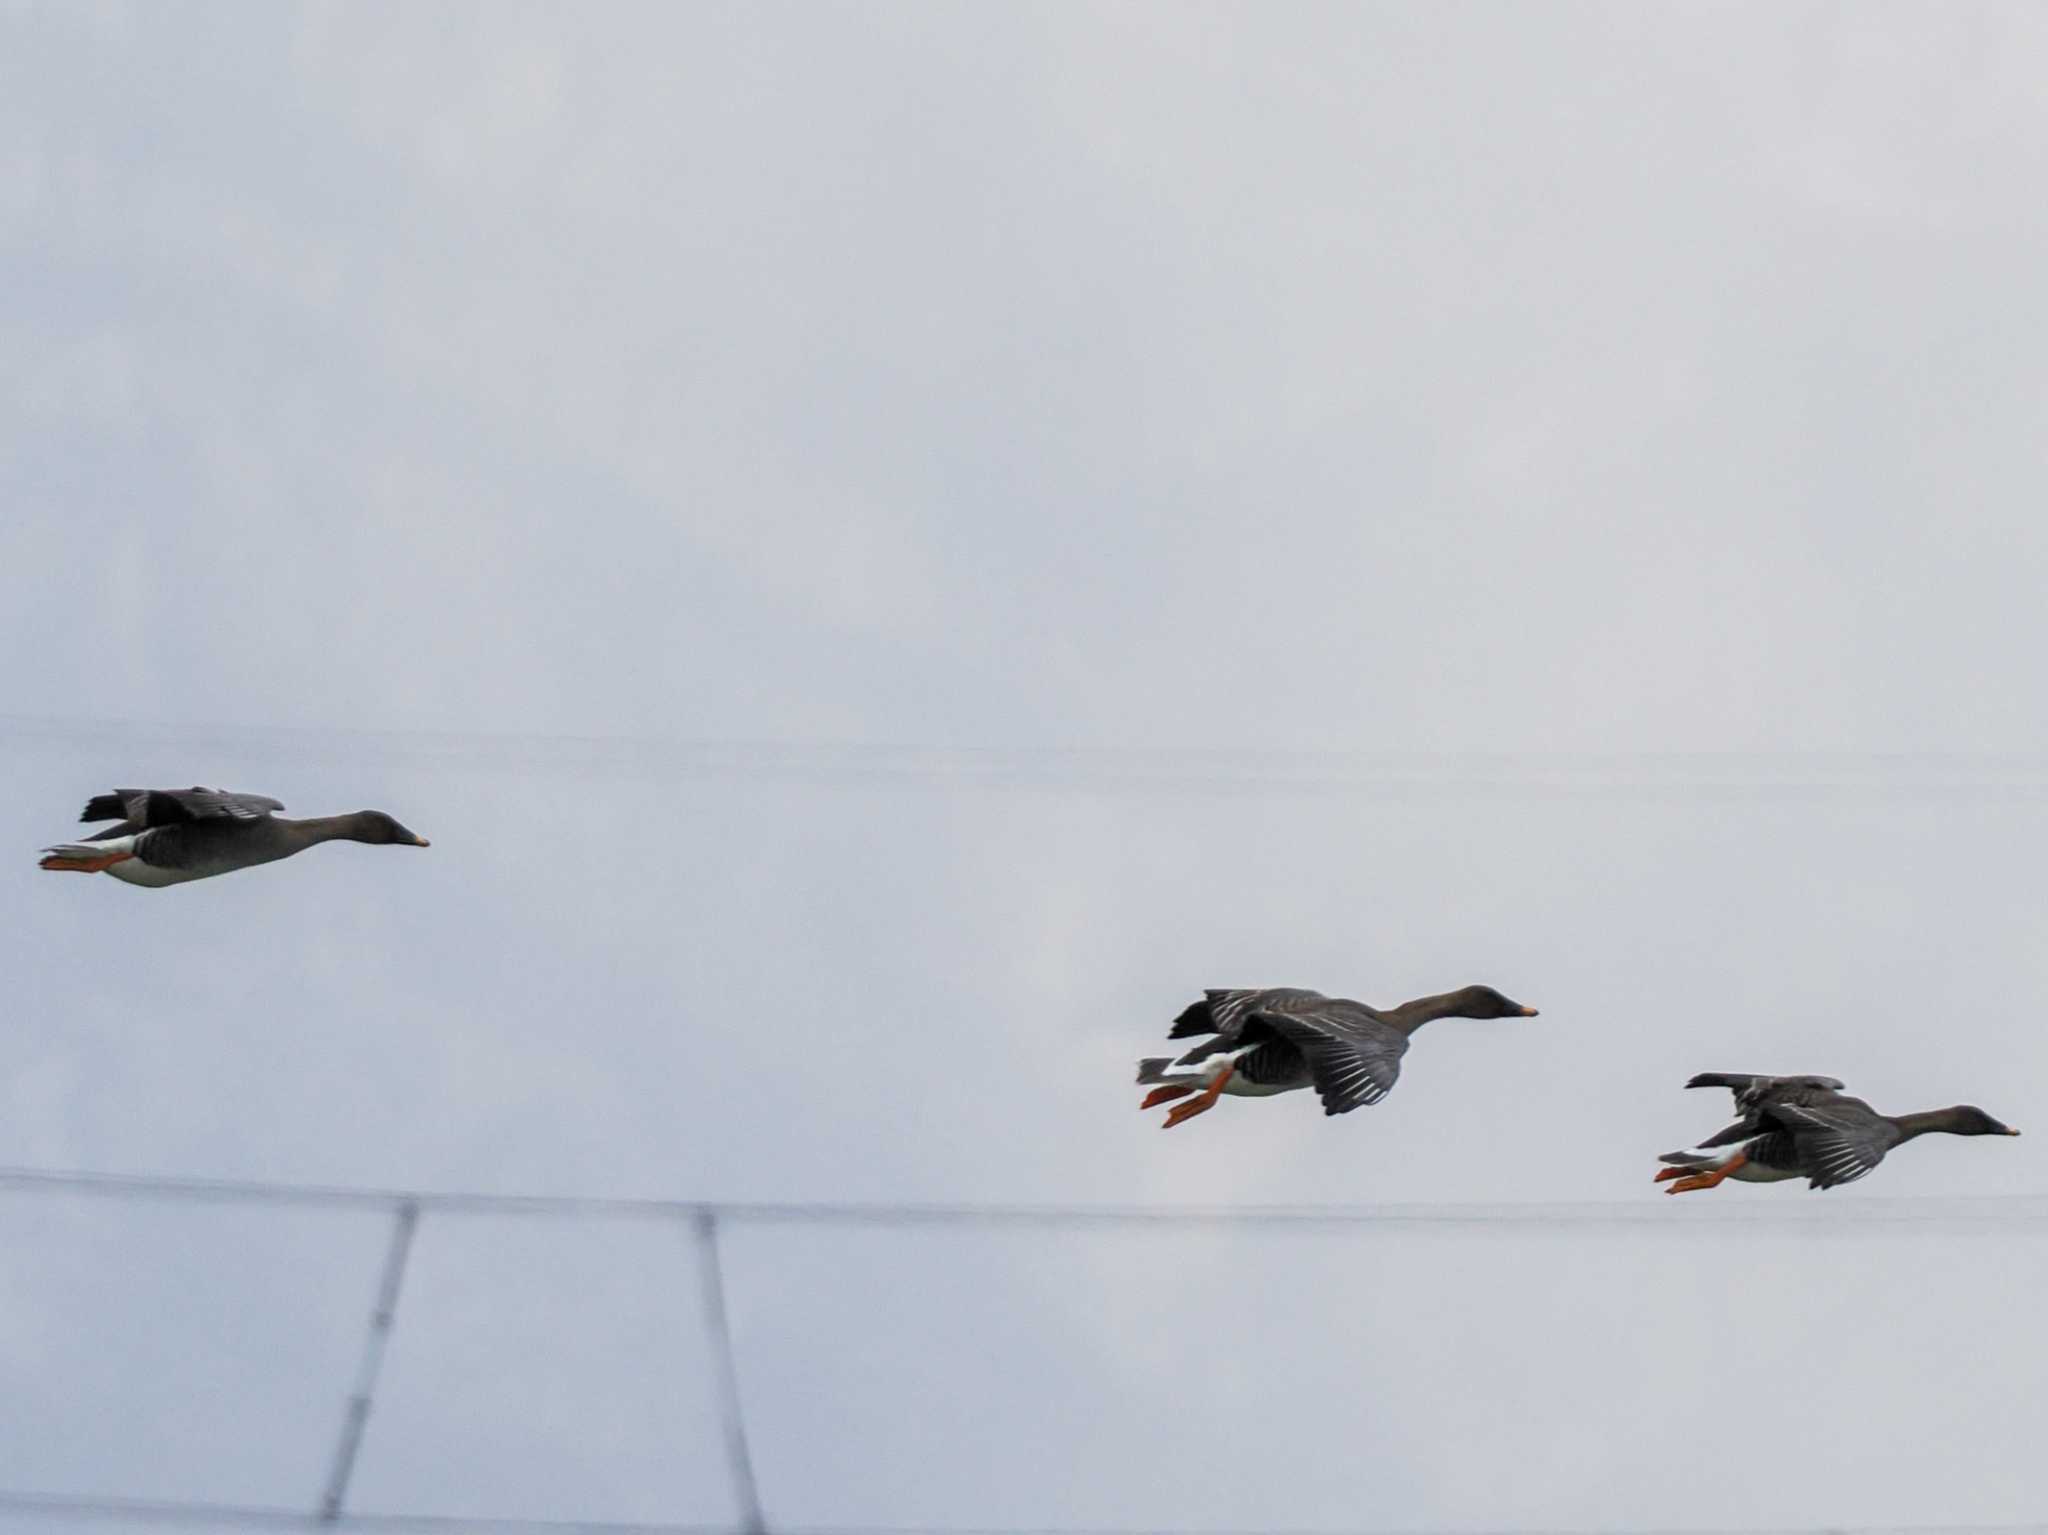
1530, 1012
421, 842
2012, 1132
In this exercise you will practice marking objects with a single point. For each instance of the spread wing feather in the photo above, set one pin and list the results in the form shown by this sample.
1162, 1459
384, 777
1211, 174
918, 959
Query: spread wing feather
147, 809
1837, 1142
1353, 1056
1753, 1090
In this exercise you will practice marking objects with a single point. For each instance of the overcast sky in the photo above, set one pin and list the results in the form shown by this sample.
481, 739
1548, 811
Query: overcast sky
440, 407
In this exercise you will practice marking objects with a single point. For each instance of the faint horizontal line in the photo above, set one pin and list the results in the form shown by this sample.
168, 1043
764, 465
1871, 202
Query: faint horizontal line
155, 1512
247, 1516
1652, 1210
1301, 769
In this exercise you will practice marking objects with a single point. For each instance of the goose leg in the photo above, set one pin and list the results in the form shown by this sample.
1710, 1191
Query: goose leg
1203, 1104
1160, 1095
1669, 1173
1708, 1180
85, 865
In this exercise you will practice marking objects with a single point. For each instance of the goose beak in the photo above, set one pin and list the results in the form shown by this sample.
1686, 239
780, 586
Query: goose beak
2012, 1132
1529, 1012
421, 842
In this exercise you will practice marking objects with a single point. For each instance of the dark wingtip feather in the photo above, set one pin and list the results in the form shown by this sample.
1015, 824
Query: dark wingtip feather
1719, 1079
1195, 1019
103, 807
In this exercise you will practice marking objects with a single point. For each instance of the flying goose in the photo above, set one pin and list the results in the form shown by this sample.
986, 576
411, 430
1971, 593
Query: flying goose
1805, 1127
1280, 1038
169, 836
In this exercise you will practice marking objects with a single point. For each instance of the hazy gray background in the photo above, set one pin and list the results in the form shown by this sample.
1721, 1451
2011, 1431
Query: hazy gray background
1591, 380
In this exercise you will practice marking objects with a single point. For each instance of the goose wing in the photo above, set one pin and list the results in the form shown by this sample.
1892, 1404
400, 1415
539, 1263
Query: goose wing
1753, 1090
1838, 1140
146, 809
1354, 1057
1223, 1014
1221, 1011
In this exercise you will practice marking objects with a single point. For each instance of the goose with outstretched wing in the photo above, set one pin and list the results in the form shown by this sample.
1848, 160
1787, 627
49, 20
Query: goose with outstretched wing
1280, 1038
1805, 1127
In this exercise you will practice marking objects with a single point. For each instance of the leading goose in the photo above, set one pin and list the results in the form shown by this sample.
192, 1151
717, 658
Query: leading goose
169, 836
1283, 1037
1805, 1127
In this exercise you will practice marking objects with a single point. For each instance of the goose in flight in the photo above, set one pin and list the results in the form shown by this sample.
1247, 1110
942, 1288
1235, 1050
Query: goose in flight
169, 836
1280, 1038
1805, 1127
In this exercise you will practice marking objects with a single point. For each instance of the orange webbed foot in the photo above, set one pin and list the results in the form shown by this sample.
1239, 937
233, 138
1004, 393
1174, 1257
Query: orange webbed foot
1202, 1104
84, 865
1697, 1181
1188, 1111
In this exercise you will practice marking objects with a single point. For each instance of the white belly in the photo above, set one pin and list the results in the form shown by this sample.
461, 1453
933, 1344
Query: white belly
1749, 1172
134, 871
1245, 1089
